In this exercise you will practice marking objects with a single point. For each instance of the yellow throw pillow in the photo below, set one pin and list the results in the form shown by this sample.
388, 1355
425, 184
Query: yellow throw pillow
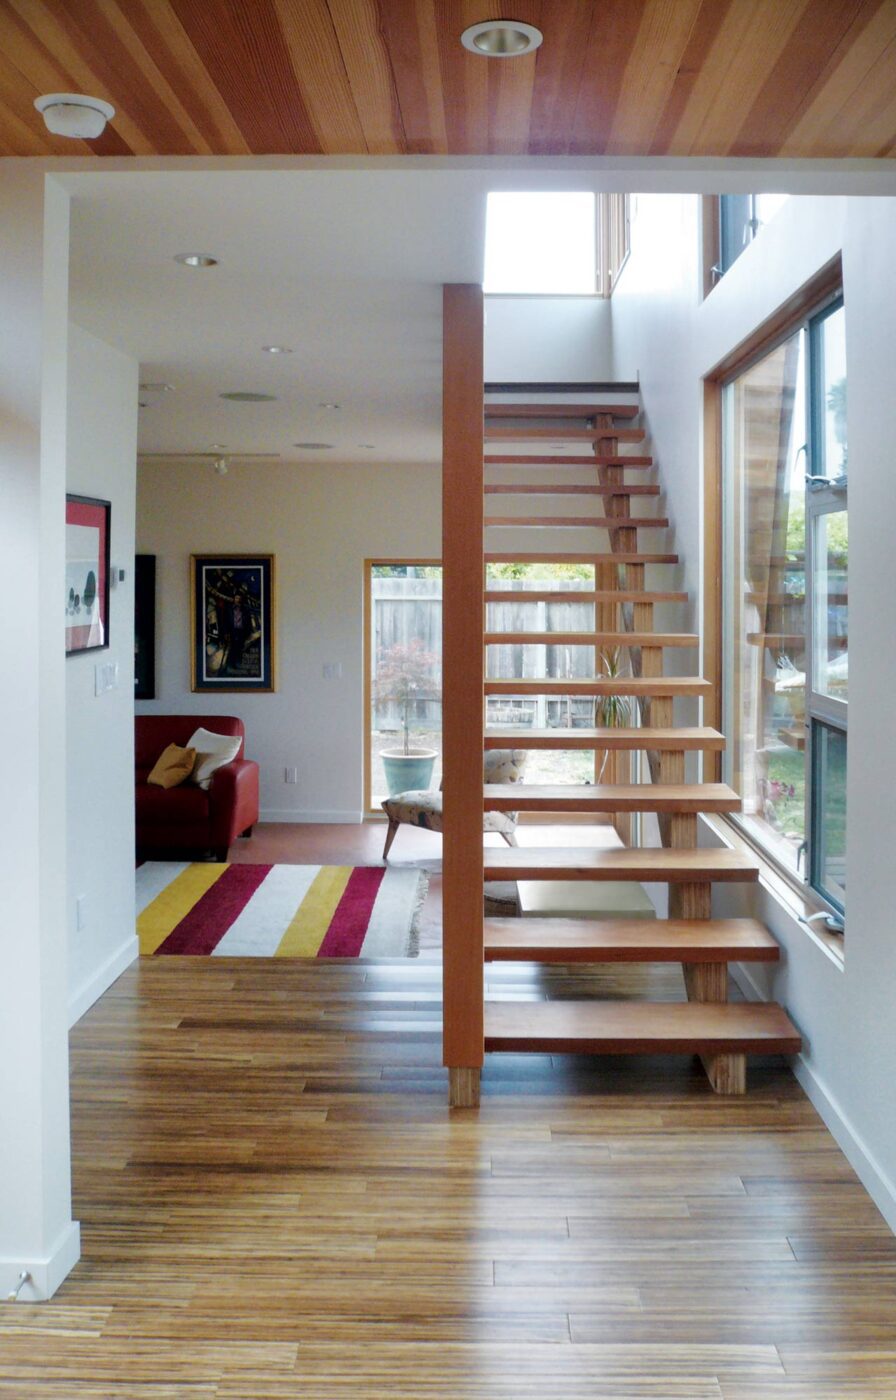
173, 768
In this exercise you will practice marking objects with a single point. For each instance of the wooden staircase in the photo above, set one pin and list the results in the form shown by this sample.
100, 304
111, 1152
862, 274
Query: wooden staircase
706, 1024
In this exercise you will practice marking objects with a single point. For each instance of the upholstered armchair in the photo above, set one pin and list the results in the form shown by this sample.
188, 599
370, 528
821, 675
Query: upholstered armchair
424, 808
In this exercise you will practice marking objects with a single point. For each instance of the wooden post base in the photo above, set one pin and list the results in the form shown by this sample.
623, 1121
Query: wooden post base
463, 1087
726, 1073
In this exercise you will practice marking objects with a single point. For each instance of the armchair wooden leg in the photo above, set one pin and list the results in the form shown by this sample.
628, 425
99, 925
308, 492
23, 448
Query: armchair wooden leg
390, 836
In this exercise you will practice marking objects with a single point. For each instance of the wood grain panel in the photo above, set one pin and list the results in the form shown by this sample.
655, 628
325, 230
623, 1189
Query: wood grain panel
463, 666
660, 77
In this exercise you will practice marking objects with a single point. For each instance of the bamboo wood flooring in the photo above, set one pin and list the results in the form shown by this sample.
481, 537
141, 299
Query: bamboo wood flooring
276, 1203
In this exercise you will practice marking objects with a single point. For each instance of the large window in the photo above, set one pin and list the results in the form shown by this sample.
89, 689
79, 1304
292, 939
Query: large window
555, 243
740, 217
786, 552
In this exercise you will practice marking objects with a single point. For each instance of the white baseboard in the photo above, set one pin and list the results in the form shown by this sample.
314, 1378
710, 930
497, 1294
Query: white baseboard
101, 980
876, 1181
47, 1273
303, 815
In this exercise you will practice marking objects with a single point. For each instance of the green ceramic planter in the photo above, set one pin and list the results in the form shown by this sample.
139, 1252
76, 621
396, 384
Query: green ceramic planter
407, 772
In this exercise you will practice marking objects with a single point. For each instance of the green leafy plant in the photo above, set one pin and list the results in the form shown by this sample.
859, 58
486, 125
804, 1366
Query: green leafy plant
610, 711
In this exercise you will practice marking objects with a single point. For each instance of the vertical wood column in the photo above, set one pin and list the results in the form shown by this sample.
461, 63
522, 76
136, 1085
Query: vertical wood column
463, 675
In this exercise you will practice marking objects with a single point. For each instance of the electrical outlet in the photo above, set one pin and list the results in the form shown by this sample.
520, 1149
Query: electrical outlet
290, 775
80, 912
332, 670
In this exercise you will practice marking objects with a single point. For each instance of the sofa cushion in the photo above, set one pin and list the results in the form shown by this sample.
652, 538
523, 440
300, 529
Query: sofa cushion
173, 767
212, 752
180, 806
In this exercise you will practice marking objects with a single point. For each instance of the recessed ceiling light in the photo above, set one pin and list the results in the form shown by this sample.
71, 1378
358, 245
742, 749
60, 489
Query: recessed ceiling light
329, 405
501, 38
370, 446
246, 396
218, 447
277, 349
72, 114
196, 259
156, 388
315, 446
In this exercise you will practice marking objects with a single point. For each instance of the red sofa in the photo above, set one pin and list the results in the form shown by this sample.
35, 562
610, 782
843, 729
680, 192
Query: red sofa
186, 820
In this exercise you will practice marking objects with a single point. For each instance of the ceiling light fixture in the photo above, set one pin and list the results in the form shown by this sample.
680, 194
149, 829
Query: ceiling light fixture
277, 349
74, 115
315, 446
368, 446
156, 388
247, 396
195, 260
501, 38
329, 405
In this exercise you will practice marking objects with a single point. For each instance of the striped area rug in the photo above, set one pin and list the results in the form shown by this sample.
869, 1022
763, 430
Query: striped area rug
278, 911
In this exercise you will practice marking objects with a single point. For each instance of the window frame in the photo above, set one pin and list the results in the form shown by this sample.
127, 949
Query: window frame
821, 295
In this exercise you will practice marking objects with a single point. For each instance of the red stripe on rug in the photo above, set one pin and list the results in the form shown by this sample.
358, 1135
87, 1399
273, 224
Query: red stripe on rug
351, 917
200, 931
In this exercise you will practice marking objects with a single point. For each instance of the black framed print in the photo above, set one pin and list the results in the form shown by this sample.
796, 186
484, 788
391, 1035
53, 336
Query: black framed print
145, 627
232, 607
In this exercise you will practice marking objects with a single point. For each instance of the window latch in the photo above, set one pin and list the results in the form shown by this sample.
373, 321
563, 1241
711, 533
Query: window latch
832, 922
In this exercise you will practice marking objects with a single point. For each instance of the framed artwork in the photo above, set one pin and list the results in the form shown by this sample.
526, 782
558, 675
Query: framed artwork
232, 608
87, 528
145, 627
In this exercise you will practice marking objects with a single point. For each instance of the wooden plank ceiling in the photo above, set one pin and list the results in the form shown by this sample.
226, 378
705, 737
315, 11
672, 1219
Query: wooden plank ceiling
382, 77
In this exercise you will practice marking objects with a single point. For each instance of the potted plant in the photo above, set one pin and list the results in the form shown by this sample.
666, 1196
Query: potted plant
404, 672
610, 711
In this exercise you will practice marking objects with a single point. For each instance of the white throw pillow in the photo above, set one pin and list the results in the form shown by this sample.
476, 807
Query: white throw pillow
212, 752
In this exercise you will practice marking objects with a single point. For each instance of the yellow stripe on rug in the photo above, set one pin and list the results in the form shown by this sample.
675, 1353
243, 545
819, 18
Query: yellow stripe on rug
163, 915
311, 920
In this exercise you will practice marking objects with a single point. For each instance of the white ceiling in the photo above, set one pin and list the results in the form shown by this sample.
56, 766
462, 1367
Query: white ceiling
344, 266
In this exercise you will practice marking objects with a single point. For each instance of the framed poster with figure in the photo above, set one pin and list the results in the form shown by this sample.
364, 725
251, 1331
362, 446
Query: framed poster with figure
87, 526
232, 609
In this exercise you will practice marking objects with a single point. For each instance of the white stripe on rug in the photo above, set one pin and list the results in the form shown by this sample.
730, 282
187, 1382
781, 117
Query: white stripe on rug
154, 876
397, 906
258, 930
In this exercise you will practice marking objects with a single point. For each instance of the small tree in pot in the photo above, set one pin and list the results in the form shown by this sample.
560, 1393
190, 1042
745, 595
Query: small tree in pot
405, 672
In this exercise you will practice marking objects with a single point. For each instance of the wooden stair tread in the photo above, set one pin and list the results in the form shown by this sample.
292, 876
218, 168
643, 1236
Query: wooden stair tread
674, 740
592, 639
598, 489
525, 556
534, 434
629, 940
541, 459
576, 522
601, 685
561, 410
625, 863
610, 797
583, 595
640, 1027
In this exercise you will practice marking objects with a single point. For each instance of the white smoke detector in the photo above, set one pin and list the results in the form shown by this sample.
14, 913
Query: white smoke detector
74, 115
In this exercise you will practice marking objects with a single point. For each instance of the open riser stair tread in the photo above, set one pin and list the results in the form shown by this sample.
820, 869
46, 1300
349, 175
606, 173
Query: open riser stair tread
611, 797
629, 940
599, 489
592, 639
568, 595
575, 522
561, 410
554, 557
601, 685
543, 459
640, 1027
674, 740
645, 864
526, 433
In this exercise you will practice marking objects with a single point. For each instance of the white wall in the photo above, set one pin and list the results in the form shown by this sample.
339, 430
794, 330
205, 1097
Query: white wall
845, 1012
37, 1233
564, 339
321, 522
102, 462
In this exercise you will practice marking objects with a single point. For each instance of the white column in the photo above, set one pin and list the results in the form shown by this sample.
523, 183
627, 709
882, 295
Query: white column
37, 1233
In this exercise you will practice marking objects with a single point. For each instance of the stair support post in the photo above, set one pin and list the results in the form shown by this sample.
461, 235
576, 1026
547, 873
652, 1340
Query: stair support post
463, 663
